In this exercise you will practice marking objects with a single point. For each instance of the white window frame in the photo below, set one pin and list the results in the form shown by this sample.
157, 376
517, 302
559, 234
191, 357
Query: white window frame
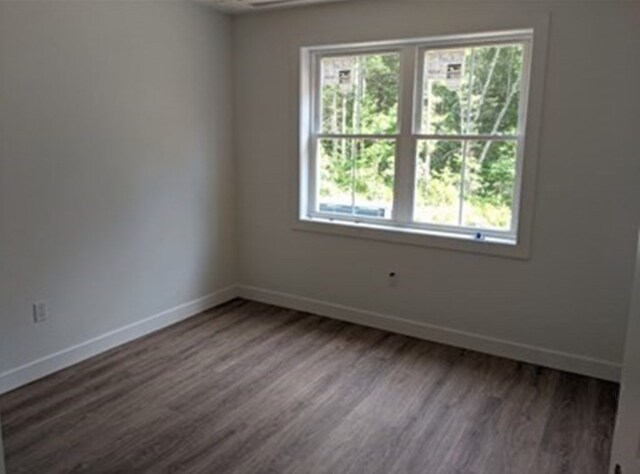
401, 222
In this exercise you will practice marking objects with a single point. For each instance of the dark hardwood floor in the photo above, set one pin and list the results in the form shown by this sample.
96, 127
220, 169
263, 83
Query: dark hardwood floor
251, 388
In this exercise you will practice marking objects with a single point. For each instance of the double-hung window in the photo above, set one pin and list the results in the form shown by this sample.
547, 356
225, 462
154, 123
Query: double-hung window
423, 136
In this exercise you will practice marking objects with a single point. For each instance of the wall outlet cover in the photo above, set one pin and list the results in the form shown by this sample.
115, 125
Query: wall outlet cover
40, 311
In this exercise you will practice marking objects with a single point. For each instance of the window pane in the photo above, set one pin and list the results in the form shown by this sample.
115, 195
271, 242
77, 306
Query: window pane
489, 184
356, 177
360, 93
438, 174
466, 183
473, 90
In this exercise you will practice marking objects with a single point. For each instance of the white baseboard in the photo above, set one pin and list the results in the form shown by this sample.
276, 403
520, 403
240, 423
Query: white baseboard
39, 368
578, 364
44, 366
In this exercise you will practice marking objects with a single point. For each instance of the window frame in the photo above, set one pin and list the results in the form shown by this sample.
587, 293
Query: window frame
409, 133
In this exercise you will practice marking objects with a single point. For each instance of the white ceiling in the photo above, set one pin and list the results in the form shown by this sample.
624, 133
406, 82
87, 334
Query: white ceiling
235, 6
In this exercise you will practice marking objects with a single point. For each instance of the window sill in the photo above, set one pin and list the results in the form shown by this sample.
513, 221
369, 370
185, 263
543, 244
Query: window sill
411, 236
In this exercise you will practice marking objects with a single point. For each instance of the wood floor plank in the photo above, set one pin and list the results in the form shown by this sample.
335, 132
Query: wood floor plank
244, 450
65, 388
228, 388
119, 393
248, 388
519, 429
224, 413
375, 426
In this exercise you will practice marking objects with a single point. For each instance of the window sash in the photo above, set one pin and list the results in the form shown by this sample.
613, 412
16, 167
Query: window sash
466, 231
396, 220
411, 79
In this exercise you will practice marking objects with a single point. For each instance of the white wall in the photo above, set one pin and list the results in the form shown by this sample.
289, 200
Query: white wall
116, 191
625, 450
568, 302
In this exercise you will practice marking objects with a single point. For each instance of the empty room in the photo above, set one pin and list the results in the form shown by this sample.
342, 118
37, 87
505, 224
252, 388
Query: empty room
319, 236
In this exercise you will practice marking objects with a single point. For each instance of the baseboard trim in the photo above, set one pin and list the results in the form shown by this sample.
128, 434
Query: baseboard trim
47, 365
578, 364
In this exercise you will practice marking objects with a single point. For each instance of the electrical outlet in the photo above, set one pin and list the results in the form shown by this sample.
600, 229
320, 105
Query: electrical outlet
40, 312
